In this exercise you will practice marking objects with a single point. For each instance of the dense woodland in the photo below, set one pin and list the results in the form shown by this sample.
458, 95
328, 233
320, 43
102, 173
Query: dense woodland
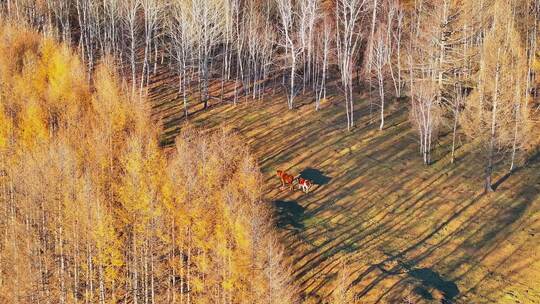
463, 66
94, 210
469, 67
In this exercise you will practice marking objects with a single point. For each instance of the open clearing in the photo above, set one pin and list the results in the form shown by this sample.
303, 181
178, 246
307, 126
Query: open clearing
402, 229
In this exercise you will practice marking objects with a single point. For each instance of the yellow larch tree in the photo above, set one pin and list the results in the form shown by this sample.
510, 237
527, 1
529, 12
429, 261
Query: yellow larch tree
93, 210
499, 98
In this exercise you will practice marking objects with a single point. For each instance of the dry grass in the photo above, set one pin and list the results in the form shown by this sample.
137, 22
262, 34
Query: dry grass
407, 230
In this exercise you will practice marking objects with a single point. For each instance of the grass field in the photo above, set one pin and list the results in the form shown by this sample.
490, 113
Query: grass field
402, 230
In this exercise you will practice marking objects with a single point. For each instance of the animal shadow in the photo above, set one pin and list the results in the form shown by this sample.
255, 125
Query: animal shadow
315, 175
431, 279
289, 213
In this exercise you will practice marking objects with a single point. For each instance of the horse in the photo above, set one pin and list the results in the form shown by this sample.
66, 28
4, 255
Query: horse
285, 178
305, 184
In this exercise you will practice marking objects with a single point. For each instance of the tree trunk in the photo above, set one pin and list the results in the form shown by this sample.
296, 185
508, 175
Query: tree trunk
491, 147
454, 131
489, 167
293, 67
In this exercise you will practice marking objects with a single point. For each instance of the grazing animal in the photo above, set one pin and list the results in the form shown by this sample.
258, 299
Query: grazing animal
305, 184
285, 178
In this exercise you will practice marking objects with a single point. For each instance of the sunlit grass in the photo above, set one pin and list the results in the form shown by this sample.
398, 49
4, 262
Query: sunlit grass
381, 206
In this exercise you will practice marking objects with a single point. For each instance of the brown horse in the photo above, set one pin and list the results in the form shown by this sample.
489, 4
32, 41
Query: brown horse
285, 178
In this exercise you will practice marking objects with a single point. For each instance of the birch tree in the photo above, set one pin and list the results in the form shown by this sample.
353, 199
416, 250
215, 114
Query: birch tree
381, 59
288, 20
324, 38
130, 9
348, 14
309, 13
425, 113
151, 10
397, 34
181, 47
208, 19
435, 54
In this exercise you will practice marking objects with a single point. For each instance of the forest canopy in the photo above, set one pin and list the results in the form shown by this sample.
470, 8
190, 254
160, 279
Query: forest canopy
94, 211
108, 194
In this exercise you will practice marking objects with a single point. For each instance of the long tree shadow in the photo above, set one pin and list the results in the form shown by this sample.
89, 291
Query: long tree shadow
378, 204
289, 214
426, 280
531, 160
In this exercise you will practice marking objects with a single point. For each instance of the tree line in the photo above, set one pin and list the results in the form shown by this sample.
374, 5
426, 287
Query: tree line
92, 210
466, 66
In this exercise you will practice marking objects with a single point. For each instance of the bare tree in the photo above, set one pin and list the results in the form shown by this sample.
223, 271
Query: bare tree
208, 19
88, 18
438, 53
324, 37
293, 49
371, 44
151, 10
129, 17
61, 13
425, 113
239, 37
348, 13
455, 105
228, 38
267, 49
309, 13
521, 111
396, 32
181, 47
255, 26
112, 27
381, 59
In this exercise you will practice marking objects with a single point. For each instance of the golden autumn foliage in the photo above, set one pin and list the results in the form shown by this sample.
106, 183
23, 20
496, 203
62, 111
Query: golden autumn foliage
93, 210
498, 111
536, 66
501, 83
5, 129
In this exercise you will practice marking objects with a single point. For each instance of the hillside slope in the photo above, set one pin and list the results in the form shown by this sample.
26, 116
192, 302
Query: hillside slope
402, 230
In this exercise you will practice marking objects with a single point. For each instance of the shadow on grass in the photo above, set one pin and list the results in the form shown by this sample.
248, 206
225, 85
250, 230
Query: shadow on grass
289, 214
315, 175
431, 279
534, 158
501, 180
422, 214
